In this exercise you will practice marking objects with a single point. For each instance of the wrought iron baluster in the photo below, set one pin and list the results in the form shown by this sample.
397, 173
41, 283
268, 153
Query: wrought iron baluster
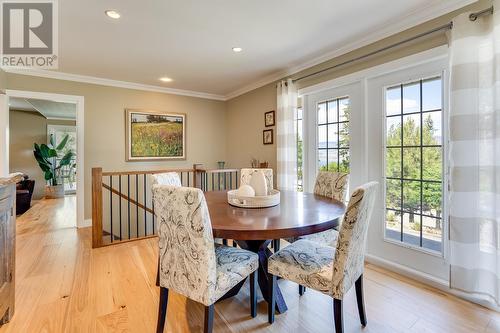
136, 205
111, 204
128, 200
120, 202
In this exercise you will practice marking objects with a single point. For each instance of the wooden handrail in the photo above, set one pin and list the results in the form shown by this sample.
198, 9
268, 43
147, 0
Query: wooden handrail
217, 170
142, 172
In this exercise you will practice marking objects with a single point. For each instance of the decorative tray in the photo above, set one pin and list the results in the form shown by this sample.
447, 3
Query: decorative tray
270, 200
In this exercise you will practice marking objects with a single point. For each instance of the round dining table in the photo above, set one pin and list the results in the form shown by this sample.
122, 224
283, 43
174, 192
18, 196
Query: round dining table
253, 229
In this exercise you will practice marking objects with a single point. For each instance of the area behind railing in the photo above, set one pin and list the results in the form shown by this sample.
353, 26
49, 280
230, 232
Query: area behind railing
122, 205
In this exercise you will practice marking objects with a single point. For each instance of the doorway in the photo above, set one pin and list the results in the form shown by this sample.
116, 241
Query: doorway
73, 179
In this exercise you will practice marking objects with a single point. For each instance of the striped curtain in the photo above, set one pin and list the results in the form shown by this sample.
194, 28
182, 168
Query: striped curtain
285, 136
474, 207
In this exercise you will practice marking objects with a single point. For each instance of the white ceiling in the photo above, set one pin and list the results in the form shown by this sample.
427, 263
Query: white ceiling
48, 109
190, 41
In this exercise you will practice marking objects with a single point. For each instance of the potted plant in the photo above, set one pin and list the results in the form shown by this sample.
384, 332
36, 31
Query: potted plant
50, 161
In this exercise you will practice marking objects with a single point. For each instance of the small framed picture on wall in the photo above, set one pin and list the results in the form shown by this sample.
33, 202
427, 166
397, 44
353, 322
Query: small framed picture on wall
267, 137
269, 118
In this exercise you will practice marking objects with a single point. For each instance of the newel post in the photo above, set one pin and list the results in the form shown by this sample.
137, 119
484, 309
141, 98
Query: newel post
197, 176
96, 207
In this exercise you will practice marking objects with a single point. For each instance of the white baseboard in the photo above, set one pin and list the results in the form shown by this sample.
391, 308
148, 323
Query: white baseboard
408, 272
86, 223
441, 284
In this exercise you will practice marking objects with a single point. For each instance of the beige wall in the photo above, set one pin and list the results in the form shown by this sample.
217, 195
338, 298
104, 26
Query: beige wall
246, 112
245, 123
105, 124
26, 128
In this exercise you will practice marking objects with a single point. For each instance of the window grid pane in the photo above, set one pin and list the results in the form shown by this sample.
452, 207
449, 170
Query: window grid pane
413, 158
299, 139
333, 135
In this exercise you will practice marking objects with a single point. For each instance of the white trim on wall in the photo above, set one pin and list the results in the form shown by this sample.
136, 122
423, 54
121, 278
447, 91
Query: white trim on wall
110, 83
4, 136
80, 107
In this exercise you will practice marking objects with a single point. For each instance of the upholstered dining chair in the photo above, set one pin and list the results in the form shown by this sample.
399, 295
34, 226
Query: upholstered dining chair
330, 270
166, 178
191, 263
332, 185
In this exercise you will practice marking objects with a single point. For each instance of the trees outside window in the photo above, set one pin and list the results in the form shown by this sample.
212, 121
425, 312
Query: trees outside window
414, 167
333, 135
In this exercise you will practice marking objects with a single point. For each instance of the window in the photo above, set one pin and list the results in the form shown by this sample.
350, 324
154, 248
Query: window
413, 164
333, 135
300, 147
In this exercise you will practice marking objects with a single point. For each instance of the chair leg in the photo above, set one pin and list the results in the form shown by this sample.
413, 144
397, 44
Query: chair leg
162, 310
272, 298
209, 319
338, 315
276, 245
302, 290
253, 294
224, 241
360, 300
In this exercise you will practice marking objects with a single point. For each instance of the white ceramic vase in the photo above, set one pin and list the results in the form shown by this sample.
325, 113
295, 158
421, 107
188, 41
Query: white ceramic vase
259, 183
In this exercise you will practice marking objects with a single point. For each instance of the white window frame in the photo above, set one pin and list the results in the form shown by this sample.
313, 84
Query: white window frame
444, 183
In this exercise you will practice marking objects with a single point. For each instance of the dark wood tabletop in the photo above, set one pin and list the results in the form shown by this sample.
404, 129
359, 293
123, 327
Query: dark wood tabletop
297, 214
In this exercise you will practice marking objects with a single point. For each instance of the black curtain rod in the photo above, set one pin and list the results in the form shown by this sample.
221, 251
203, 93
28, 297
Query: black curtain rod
445, 27
475, 15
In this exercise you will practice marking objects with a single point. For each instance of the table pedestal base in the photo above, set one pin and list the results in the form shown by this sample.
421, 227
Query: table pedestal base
260, 247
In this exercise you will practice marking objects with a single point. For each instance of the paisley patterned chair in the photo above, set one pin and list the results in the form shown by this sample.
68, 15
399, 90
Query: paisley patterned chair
190, 263
330, 270
167, 178
332, 185
246, 175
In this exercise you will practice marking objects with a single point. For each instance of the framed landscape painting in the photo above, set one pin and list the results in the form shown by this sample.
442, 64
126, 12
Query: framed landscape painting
155, 135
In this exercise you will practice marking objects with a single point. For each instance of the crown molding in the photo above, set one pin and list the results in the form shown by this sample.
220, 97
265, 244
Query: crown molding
108, 82
408, 21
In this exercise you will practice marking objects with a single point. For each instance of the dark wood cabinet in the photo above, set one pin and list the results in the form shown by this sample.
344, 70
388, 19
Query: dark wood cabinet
7, 247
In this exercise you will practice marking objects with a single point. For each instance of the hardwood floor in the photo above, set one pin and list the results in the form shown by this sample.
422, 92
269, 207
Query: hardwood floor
65, 286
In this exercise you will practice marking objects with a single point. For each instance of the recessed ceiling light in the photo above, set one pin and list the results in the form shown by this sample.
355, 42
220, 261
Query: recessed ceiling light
166, 79
237, 49
113, 14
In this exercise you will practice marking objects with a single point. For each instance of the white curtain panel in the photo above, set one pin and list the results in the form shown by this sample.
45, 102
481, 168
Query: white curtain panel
474, 128
285, 136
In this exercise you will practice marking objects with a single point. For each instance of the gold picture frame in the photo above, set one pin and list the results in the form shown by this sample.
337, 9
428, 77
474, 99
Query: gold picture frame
154, 135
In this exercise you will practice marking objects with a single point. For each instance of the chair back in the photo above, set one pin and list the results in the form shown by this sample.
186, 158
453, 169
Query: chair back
246, 175
187, 254
350, 251
167, 178
331, 184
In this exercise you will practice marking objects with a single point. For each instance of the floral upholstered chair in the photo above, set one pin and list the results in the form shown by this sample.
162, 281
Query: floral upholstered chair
246, 175
190, 263
330, 270
167, 178
332, 185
